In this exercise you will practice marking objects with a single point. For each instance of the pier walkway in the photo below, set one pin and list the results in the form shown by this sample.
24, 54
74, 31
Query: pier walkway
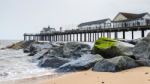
87, 35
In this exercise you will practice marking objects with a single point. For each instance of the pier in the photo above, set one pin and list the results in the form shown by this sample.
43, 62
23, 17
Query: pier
89, 35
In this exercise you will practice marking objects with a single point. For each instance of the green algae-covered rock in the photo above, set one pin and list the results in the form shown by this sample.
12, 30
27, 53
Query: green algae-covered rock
109, 48
104, 43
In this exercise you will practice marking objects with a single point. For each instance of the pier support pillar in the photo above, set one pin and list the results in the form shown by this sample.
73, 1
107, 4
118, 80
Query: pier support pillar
77, 37
67, 37
123, 34
90, 37
93, 37
73, 38
101, 34
29, 38
81, 37
70, 37
132, 35
98, 35
116, 35
64, 37
24, 37
84, 37
142, 33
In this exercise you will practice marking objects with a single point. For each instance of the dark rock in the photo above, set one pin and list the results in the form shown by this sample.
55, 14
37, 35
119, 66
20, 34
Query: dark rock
83, 63
71, 50
21, 45
53, 62
39, 55
142, 49
115, 64
75, 49
3, 48
104, 66
143, 62
36, 47
56, 51
4, 74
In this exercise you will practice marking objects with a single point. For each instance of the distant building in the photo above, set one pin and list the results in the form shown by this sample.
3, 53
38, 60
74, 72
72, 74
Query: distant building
104, 23
130, 19
48, 30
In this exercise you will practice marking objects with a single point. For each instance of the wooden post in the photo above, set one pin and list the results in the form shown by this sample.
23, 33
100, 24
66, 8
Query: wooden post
50, 38
84, 37
29, 37
67, 37
109, 34
123, 34
43, 38
103, 34
93, 37
98, 35
90, 37
142, 33
132, 35
70, 37
34, 37
24, 37
116, 35
61, 37
77, 37
81, 37
73, 37
64, 38
56, 37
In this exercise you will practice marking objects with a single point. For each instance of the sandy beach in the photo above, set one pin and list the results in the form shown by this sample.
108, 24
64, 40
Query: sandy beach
139, 75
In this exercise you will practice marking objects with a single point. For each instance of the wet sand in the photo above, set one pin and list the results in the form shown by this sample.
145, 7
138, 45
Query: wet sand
140, 75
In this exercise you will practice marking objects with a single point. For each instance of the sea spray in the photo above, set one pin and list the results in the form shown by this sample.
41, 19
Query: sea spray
14, 64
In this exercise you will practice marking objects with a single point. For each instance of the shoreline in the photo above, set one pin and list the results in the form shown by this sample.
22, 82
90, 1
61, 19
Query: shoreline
32, 79
139, 75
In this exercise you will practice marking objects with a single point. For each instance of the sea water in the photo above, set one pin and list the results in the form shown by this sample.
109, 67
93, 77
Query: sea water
14, 64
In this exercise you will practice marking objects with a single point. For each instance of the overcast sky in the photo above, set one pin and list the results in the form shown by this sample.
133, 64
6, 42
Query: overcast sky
30, 16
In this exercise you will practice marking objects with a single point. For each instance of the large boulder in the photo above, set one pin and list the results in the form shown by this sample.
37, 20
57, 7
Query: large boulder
39, 55
21, 44
70, 50
36, 47
75, 49
115, 64
53, 62
56, 51
141, 51
83, 63
109, 48
143, 62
